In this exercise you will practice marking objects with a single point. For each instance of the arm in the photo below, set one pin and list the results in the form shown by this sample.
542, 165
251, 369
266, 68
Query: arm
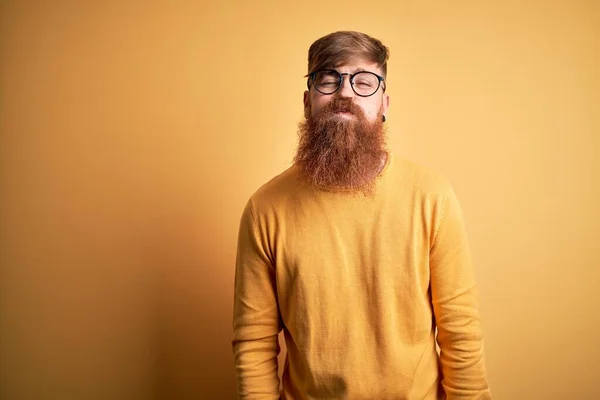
454, 301
256, 321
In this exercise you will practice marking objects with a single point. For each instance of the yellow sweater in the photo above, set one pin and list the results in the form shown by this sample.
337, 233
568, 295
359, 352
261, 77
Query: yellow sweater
358, 286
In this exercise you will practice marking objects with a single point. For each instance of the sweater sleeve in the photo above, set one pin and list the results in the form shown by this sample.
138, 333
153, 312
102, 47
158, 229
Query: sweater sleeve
256, 321
455, 307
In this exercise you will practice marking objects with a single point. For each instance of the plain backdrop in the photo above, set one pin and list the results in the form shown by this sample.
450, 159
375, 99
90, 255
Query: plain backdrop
133, 133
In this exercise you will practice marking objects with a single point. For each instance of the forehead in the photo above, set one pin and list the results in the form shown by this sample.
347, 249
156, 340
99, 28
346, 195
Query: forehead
358, 65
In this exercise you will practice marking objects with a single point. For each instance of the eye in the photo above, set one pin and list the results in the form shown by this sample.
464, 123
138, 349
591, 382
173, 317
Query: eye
327, 79
329, 82
364, 83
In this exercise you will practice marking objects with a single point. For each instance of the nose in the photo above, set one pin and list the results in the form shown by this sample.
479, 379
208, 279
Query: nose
345, 89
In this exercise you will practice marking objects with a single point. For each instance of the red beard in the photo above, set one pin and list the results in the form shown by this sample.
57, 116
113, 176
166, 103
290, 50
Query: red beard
336, 153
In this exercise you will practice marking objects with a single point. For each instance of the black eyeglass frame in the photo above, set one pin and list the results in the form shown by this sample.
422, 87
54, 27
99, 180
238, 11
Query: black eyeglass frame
312, 75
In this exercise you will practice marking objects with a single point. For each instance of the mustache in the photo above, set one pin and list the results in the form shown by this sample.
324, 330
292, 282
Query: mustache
342, 104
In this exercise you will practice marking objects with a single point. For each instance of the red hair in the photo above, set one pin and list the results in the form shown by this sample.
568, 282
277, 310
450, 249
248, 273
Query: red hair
340, 47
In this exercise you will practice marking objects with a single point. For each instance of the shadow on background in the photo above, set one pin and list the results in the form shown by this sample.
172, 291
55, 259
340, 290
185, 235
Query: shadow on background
194, 265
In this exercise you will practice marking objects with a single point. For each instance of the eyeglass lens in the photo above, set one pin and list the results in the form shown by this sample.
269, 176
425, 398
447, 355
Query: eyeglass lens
364, 83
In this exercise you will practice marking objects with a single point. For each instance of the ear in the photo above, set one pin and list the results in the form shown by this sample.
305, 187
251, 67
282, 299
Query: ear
385, 104
306, 102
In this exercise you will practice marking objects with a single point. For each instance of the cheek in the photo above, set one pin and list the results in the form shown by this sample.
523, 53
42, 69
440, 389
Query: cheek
317, 105
372, 110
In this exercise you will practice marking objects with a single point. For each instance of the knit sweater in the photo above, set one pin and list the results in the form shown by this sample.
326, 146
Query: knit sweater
358, 284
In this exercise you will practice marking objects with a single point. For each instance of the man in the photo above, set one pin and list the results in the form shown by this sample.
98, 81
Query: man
357, 255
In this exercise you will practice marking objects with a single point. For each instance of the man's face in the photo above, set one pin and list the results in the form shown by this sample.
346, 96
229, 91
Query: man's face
342, 140
373, 106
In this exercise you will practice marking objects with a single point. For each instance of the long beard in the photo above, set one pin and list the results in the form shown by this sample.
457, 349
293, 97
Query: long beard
341, 154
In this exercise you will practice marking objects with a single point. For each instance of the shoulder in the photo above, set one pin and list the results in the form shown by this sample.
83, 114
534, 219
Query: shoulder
431, 195
279, 190
421, 179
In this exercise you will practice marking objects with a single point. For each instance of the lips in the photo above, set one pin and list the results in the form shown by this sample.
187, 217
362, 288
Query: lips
343, 105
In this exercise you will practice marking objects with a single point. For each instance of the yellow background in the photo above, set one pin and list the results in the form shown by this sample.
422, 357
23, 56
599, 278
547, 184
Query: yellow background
132, 135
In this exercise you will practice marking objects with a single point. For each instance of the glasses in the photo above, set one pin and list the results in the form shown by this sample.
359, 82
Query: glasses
329, 81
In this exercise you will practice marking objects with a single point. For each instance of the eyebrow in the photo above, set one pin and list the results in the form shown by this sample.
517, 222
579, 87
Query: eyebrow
355, 71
